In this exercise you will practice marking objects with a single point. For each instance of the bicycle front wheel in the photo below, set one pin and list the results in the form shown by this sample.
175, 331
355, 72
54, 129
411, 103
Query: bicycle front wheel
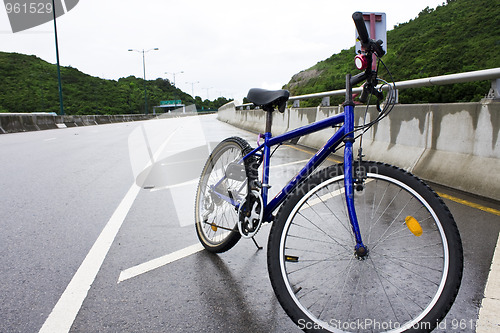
215, 216
407, 281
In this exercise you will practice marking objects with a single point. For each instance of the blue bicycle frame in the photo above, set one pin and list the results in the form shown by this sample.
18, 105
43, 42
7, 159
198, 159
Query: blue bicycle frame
311, 165
345, 134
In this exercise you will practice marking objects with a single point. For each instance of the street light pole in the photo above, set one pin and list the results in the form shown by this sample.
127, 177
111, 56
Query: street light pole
61, 107
181, 72
192, 87
175, 91
207, 92
144, 69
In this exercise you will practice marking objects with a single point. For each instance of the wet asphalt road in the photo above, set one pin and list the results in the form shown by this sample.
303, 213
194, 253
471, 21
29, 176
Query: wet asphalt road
61, 187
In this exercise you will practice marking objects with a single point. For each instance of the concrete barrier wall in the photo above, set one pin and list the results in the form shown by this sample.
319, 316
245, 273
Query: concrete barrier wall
24, 122
455, 145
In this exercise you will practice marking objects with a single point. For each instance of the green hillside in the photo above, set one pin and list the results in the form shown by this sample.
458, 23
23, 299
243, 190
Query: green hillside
460, 36
29, 84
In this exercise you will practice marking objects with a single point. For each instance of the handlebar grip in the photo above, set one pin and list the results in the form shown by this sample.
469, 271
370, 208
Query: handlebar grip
359, 21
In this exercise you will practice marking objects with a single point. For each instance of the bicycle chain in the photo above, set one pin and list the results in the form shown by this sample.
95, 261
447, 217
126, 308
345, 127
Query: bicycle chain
252, 164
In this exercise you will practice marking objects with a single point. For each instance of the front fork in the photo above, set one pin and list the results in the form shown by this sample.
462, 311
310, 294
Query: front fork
360, 249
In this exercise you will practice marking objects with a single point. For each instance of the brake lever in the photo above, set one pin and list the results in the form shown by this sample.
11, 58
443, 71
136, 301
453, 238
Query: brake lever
380, 97
368, 89
377, 48
363, 98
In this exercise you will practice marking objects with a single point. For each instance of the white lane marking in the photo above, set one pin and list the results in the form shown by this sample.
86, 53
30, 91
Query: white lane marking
64, 313
162, 261
489, 321
66, 309
50, 139
159, 262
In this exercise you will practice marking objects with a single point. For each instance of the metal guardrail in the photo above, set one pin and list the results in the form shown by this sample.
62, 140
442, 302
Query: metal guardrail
492, 74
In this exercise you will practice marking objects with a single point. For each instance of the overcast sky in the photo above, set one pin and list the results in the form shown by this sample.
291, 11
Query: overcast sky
228, 46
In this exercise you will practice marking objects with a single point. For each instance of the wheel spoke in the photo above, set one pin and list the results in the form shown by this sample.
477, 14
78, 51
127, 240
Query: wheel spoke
215, 226
399, 279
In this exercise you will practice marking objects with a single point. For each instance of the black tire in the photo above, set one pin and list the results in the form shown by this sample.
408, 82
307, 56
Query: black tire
216, 219
405, 283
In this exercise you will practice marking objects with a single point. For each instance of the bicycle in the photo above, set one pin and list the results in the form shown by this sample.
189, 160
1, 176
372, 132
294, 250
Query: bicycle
358, 246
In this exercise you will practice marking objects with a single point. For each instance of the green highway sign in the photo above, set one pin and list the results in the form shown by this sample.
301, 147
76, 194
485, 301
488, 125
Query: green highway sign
172, 102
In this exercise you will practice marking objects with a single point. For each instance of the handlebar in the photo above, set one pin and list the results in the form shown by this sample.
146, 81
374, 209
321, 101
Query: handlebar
359, 21
370, 46
366, 42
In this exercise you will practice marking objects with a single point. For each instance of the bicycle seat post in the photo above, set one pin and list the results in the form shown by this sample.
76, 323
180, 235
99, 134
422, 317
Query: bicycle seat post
269, 121
269, 100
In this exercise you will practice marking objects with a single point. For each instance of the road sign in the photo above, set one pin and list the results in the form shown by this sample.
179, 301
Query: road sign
171, 102
376, 26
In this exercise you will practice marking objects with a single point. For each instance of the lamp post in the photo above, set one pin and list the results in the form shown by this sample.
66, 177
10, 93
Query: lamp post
192, 86
61, 107
181, 72
207, 92
144, 69
175, 91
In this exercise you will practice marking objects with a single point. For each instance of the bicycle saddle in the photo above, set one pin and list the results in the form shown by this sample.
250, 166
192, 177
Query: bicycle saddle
269, 99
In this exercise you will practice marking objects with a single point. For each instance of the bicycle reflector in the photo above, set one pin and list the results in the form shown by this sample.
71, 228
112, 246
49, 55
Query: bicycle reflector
361, 62
414, 226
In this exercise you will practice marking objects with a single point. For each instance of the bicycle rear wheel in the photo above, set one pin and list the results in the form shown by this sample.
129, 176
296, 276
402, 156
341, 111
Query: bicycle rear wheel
217, 219
407, 282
